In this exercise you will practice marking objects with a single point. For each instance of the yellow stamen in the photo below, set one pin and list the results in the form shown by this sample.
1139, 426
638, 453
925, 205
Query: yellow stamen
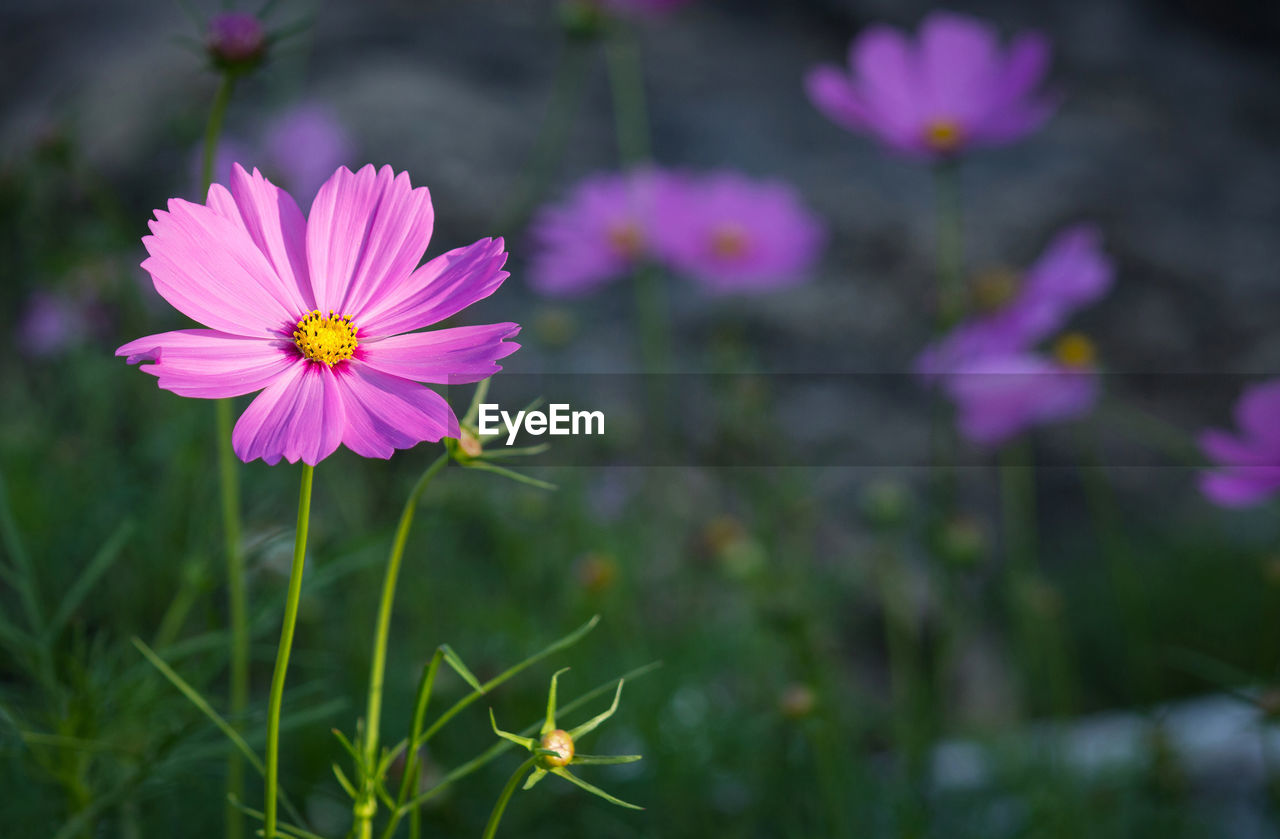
729, 241
943, 135
626, 239
559, 742
1075, 350
328, 339
993, 288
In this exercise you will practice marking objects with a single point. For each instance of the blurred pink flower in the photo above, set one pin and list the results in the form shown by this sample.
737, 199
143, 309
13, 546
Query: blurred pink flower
236, 41
999, 396
952, 89
1072, 272
315, 312
735, 234
51, 324
1248, 463
304, 144
600, 232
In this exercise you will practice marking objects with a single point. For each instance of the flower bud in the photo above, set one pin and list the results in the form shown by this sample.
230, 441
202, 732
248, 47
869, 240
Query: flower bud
797, 701
470, 444
963, 542
596, 572
559, 742
236, 42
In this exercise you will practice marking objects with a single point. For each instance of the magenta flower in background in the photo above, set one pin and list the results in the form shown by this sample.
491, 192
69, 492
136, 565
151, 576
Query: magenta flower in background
951, 89
316, 312
1248, 463
999, 396
600, 232
1072, 272
304, 144
51, 324
236, 41
731, 233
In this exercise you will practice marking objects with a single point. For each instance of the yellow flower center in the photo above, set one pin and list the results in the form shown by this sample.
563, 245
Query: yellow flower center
328, 339
729, 241
626, 239
1075, 350
559, 742
943, 135
993, 288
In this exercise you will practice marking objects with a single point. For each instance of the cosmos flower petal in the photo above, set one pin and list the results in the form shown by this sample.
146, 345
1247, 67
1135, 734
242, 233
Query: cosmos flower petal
277, 227
1243, 487
443, 287
209, 269
958, 59
1000, 396
385, 413
366, 233
885, 66
832, 93
460, 355
299, 416
208, 364
1025, 65
1258, 415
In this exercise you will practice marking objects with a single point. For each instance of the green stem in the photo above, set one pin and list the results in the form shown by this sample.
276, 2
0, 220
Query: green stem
950, 244
630, 111
367, 804
282, 652
492, 827
411, 765
230, 499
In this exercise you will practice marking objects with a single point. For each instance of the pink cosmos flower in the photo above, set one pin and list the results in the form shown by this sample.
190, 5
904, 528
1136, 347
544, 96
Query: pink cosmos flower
1249, 462
1072, 272
999, 396
734, 234
235, 40
317, 313
600, 232
950, 90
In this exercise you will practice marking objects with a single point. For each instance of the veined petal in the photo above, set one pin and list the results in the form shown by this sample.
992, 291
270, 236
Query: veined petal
443, 287
384, 413
208, 364
460, 355
209, 268
367, 232
300, 416
277, 227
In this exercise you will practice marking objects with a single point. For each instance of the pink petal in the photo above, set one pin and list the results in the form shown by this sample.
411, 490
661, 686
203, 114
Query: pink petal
831, 92
1258, 412
298, 417
884, 64
443, 287
454, 356
1239, 488
278, 229
211, 365
385, 413
1024, 68
366, 233
959, 61
209, 269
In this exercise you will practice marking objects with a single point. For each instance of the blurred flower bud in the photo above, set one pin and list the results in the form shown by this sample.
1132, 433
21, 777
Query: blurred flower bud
963, 542
797, 701
236, 42
885, 504
596, 572
555, 326
1075, 350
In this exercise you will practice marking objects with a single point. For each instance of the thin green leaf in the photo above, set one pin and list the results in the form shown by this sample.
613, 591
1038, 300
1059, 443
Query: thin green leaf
343, 782
346, 744
79, 590
283, 828
485, 466
590, 725
452, 659
518, 451
594, 790
534, 776
527, 742
24, 579
605, 760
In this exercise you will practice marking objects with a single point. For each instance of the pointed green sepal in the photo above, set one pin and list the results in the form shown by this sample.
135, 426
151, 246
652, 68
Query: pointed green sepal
591, 724
527, 742
594, 790
535, 776
550, 723
343, 781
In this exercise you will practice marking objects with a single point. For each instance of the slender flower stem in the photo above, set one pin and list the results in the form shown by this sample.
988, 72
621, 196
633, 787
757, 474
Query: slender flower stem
282, 653
230, 497
498, 809
366, 804
950, 244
